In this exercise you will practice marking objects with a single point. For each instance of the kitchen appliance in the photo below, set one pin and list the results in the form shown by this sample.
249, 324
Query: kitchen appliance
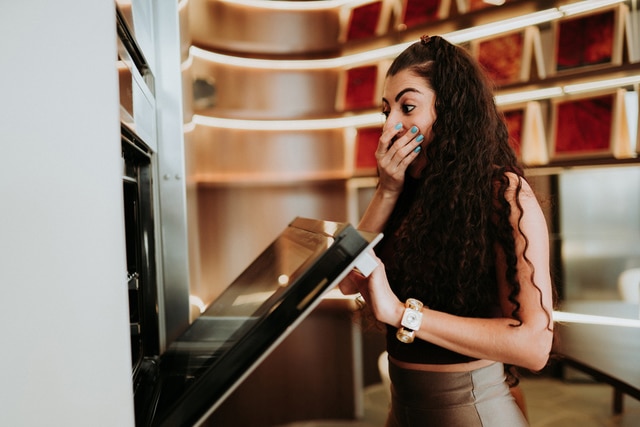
182, 372
249, 319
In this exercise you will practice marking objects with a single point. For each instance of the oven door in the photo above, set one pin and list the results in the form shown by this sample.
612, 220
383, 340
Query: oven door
250, 318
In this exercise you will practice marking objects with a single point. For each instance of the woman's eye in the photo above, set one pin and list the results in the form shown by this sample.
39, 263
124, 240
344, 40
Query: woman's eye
385, 113
406, 109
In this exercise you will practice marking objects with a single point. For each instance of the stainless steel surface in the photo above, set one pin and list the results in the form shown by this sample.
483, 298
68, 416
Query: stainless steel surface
137, 81
151, 91
600, 225
172, 205
607, 352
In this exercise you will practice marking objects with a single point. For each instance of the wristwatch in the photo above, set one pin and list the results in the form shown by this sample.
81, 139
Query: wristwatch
411, 320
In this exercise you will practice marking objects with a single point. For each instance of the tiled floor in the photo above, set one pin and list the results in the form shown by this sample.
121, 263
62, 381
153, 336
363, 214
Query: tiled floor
550, 403
555, 403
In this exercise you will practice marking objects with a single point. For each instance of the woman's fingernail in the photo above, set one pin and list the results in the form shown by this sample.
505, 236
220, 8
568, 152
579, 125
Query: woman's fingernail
417, 149
399, 126
414, 129
419, 138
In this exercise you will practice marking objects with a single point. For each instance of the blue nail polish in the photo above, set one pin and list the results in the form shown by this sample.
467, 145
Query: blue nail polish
414, 129
419, 138
399, 126
417, 149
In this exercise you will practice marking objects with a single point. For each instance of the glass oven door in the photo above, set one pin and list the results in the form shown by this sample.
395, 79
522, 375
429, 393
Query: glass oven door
251, 317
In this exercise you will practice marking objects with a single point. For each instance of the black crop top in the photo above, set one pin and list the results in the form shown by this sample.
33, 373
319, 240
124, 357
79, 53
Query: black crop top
418, 351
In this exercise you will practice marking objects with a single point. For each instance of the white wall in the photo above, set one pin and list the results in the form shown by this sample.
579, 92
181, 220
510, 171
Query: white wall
64, 337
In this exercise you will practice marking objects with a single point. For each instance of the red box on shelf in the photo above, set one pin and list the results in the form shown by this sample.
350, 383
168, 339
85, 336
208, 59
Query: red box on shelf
359, 88
366, 145
589, 40
418, 12
515, 122
593, 125
365, 19
508, 58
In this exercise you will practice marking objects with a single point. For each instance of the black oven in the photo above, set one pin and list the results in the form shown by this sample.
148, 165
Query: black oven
137, 181
182, 372
184, 383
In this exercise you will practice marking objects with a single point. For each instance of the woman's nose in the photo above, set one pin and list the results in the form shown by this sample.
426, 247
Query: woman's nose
393, 123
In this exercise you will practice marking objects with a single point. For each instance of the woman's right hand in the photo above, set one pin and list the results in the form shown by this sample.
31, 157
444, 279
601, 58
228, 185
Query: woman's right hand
397, 149
377, 293
352, 283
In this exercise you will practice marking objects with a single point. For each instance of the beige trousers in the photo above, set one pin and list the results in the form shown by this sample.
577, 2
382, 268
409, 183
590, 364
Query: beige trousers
478, 398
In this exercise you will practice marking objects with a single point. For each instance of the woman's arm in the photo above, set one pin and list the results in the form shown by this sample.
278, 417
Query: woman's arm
393, 160
378, 211
499, 339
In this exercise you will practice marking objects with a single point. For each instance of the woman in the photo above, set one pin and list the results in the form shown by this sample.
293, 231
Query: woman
463, 282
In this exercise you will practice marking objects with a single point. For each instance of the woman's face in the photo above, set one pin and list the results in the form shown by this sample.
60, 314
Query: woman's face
408, 99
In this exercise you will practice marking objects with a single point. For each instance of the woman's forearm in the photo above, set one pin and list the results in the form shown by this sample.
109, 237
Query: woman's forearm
527, 345
378, 212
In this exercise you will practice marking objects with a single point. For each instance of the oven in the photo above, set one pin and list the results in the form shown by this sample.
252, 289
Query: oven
182, 371
185, 382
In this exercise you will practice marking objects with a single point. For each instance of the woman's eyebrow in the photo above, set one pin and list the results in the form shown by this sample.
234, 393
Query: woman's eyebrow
403, 91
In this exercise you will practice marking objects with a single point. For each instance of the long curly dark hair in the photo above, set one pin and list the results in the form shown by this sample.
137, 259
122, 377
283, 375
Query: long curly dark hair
445, 245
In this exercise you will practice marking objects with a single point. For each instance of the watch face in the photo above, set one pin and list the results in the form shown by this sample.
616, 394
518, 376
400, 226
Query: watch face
411, 319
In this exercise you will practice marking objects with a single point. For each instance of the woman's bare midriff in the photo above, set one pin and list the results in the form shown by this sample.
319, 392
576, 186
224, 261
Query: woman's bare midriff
455, 367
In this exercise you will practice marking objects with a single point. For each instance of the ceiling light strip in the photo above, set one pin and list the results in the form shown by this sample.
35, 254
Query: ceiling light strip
299, 64
293, 5
601, 84
560, 316
503, 26
363, 120
531, 95
586, 6
554, 92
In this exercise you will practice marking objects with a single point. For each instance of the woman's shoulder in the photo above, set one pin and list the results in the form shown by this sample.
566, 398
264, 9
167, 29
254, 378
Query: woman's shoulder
517, 184
519, 188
